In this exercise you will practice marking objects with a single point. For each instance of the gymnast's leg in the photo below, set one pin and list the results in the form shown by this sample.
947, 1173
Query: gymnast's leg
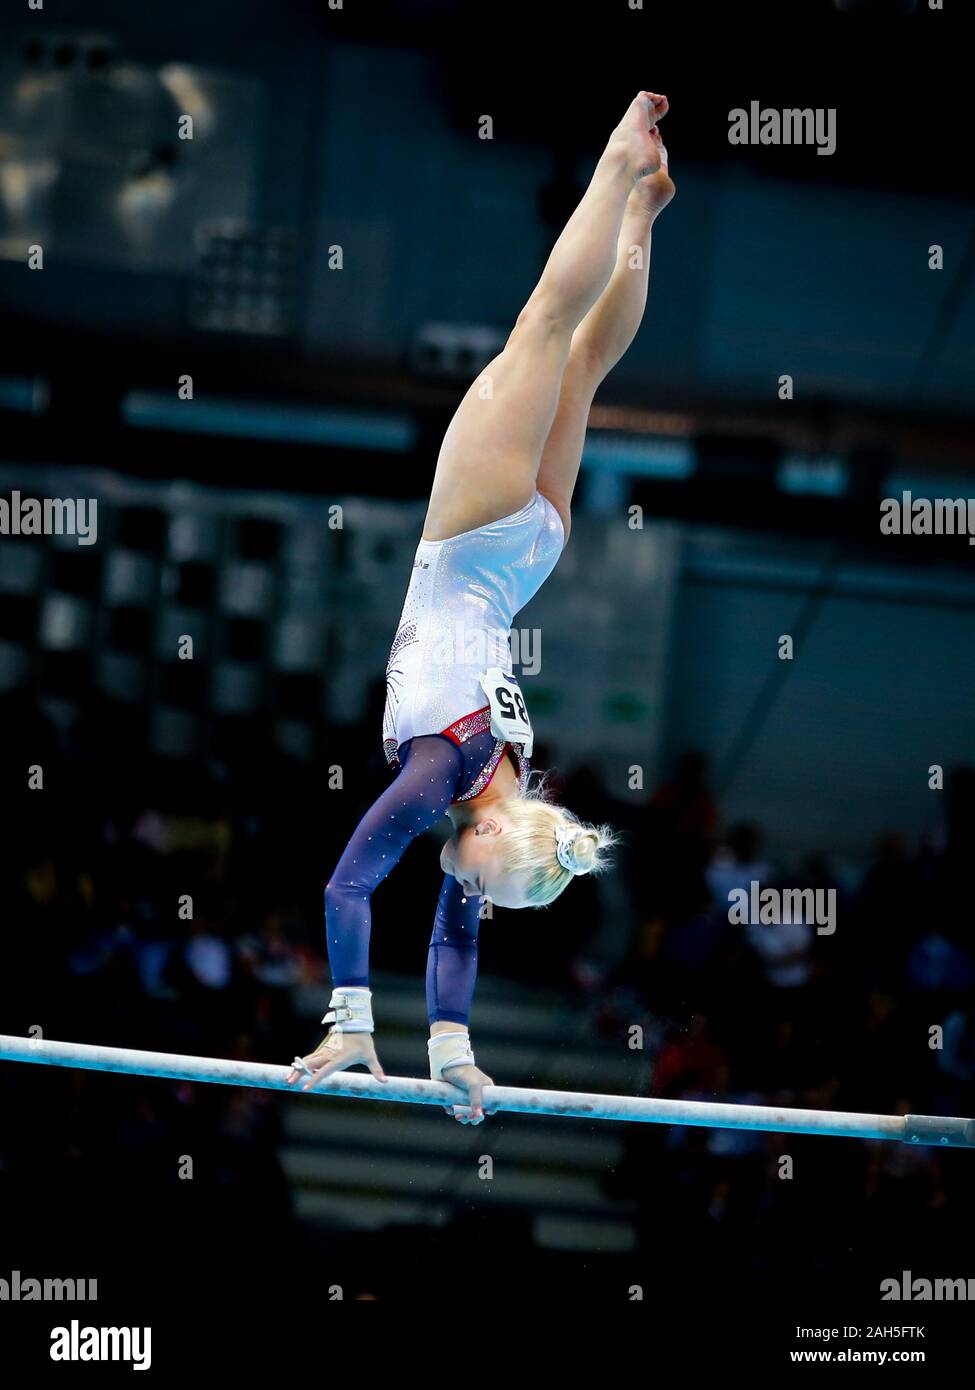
604, 334
491, 452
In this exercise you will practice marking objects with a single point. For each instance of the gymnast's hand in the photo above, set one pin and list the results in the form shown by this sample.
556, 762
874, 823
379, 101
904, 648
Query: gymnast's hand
472, 1081
336, 1052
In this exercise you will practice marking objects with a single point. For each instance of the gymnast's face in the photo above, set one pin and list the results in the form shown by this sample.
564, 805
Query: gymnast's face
472, 856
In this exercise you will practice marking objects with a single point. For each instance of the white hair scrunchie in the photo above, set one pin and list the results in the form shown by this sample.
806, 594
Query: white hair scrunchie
565, 836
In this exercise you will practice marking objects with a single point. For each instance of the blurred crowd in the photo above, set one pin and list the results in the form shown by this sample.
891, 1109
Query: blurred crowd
178, 906
876, 1015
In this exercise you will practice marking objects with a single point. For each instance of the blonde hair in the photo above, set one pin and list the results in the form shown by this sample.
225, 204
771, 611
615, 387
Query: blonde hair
530, 845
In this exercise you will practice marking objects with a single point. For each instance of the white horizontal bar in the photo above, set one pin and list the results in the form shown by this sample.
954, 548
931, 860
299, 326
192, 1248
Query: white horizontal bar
916, 1129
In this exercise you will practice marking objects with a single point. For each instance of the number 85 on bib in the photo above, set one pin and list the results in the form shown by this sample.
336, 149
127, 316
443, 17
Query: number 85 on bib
509, 714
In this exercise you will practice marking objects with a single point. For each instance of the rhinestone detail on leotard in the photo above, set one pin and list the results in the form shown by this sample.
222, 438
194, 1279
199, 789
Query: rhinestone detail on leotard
459, 732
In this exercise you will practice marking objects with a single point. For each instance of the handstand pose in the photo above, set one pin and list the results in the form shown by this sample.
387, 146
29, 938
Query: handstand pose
455, 726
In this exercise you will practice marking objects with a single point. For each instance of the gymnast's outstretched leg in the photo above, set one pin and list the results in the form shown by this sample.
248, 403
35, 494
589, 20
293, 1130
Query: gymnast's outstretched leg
604, 334
489, 460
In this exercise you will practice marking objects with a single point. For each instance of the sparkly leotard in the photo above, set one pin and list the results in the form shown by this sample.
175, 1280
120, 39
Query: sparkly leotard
455, 625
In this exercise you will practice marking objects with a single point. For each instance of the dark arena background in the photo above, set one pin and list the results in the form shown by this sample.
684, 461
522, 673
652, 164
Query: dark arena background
251, 257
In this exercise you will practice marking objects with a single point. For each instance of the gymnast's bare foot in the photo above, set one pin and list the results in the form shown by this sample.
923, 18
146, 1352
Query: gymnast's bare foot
633, 134
654, 191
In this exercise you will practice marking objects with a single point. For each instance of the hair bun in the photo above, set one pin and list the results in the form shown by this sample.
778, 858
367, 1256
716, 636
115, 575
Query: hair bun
577, 848
581, 853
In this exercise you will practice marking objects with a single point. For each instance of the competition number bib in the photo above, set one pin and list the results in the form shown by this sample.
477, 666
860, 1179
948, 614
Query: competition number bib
509, 714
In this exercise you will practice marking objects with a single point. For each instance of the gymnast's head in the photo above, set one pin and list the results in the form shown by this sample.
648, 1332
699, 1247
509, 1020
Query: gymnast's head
522, 850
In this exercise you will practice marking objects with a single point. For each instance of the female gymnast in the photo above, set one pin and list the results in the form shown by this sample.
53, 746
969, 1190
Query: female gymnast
455, 725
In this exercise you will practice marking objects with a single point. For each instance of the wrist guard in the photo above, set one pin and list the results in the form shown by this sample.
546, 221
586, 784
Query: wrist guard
449, 1050
350, 1011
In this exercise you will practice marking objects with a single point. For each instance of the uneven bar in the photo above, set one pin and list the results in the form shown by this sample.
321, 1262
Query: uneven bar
910, 1129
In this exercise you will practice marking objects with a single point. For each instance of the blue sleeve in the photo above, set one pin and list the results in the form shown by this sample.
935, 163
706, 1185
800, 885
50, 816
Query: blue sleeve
430, 778
452, 957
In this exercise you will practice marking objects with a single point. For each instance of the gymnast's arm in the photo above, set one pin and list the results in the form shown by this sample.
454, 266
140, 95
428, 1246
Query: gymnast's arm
428, 781
451, 974
452, 957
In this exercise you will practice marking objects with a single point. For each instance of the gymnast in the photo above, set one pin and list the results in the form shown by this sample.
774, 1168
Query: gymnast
455, 727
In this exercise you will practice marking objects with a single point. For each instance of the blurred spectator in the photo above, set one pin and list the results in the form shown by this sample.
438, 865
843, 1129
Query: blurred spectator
737, 864
672, 842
